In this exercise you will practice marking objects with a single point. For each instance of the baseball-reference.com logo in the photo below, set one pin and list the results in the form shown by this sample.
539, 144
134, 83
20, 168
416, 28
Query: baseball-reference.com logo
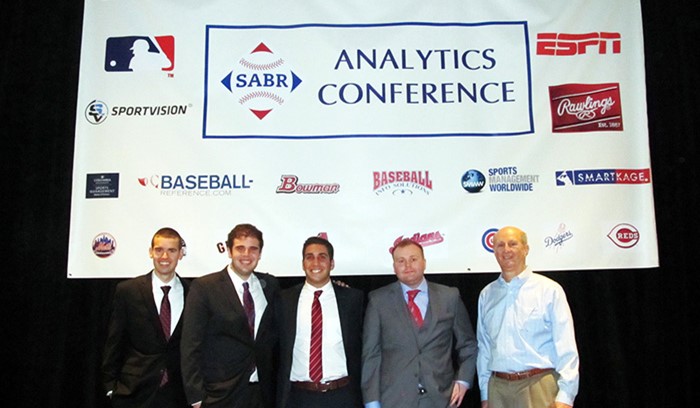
261, 81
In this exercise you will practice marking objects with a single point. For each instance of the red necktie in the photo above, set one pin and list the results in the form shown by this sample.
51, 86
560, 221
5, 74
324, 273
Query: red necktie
165, 324
413, 307
316, 355
249, 307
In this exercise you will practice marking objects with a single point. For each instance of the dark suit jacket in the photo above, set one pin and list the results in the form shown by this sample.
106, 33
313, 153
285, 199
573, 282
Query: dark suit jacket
218, 352
397, 356
136, 352
350, 310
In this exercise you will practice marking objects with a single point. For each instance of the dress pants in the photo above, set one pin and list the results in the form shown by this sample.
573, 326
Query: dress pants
538, 391
339, 398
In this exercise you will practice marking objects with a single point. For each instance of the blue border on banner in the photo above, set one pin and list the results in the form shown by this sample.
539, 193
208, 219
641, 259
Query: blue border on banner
531, 130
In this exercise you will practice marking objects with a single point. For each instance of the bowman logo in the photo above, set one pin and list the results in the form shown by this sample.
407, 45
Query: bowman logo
261, 81
290, 184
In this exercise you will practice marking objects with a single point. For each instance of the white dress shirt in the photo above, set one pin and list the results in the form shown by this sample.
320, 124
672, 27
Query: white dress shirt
176, 296
333, 356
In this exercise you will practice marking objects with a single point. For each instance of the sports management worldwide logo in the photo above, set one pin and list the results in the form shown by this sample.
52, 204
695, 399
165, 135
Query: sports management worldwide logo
261, 81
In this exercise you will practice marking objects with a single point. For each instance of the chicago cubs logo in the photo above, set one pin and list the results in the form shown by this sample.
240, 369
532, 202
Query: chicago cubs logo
261, 81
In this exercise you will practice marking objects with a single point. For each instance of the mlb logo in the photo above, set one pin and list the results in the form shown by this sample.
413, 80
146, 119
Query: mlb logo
140, 53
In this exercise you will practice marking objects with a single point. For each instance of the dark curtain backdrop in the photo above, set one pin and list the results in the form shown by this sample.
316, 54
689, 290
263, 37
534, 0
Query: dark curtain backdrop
637, 330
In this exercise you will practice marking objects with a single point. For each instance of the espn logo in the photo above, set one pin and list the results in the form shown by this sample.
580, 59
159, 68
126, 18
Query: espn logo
561, 44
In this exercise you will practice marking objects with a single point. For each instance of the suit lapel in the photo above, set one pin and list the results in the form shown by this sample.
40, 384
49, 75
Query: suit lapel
185, 288
341, 299
435, 308
401, 310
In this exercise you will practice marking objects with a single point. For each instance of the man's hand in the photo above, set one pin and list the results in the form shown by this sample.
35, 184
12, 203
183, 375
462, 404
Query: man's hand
458, 391
558, 404
484, 404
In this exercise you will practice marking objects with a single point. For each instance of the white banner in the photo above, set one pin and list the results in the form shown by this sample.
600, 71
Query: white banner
366, 122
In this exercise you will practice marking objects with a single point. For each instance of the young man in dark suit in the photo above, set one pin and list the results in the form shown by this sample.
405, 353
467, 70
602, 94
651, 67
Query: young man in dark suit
320, 326
228, 335
141, 364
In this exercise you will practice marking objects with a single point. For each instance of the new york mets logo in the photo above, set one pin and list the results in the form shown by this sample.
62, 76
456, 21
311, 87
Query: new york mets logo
261, 81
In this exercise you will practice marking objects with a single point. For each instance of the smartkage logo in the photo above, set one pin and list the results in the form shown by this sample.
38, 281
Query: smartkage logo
290, 184
424, 239
602, 176
196, 185
402, 182
261, 81
561, 44
624, 235
140, 54
585, 107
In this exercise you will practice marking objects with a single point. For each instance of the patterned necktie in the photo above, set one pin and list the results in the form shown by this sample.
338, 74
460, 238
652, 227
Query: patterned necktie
165, 312
249, 307
316, 353
165, 316
413, 307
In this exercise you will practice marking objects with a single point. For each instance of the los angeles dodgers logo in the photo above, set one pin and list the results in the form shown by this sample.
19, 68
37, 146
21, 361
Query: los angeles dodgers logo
261, 81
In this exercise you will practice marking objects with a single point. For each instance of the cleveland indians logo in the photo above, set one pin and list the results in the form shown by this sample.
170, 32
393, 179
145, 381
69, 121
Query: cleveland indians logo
261, 81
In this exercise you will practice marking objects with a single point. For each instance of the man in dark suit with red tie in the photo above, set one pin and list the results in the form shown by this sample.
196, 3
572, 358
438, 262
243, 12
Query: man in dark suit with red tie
141, 364
228, 335
320, 326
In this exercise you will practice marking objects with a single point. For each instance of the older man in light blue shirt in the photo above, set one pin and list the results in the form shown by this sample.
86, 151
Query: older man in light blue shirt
527, 348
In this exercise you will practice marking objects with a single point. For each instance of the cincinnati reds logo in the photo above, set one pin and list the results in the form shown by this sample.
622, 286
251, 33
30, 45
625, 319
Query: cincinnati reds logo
624, 235
261, 81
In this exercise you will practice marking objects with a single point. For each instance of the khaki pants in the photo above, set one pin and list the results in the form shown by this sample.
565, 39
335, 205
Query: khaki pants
538, 391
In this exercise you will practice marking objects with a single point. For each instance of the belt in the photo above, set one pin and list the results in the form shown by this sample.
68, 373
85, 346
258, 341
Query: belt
321, 387
521, 375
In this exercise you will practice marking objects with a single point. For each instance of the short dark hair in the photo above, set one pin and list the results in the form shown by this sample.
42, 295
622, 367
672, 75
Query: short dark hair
319, 241
244, 231
167, 232
407, 242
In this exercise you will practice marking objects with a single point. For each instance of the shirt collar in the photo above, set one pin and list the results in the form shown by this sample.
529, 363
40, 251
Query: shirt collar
237, 281
423, 286
156, 283
518, 280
